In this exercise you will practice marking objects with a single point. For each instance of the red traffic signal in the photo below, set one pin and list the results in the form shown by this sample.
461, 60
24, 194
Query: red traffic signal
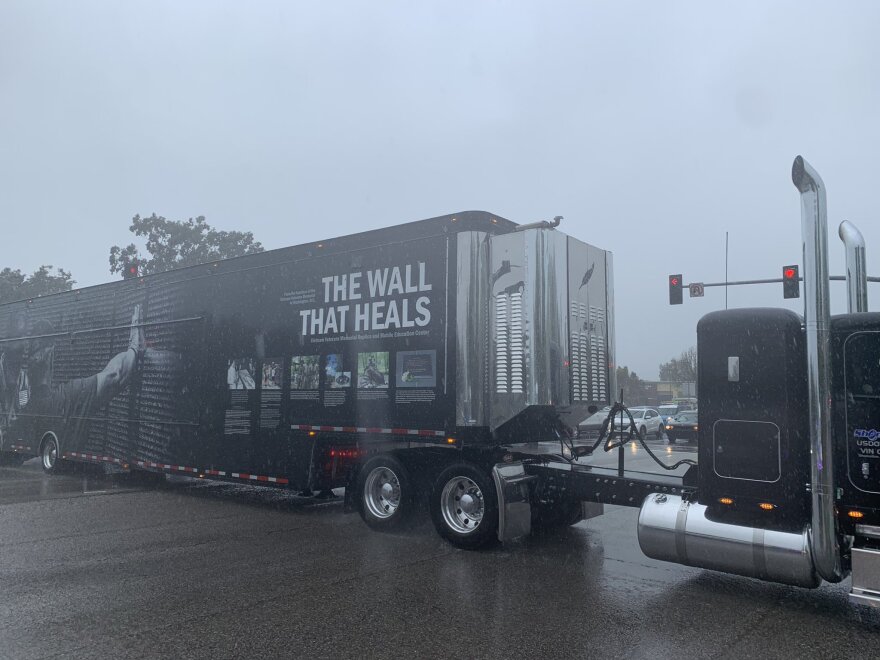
675, 294
791, 282
132, 270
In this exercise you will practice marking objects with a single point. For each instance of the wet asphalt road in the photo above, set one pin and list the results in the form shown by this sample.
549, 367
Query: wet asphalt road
94, 566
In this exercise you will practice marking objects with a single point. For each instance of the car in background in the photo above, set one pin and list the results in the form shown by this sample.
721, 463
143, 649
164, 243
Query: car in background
672, 408
648, 422
668, 410
684, 426
590, 427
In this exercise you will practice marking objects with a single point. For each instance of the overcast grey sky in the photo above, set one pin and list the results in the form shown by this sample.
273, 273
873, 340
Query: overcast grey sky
653, 127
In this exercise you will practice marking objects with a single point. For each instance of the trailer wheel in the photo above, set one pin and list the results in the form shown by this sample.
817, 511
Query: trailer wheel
464, 506
384, 493
50, 455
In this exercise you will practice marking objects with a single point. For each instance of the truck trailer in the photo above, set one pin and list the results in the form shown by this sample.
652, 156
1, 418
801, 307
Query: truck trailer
447, 362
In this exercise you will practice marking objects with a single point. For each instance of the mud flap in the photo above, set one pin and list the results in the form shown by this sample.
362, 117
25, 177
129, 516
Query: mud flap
514, 509
591, 510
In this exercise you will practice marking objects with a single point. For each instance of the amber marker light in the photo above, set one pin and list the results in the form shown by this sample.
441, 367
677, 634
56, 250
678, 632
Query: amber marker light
767, 506
450, 441
855, 514
726, 500
312, 434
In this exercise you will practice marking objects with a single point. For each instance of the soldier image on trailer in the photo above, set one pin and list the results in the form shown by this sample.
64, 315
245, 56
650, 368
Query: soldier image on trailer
27, 393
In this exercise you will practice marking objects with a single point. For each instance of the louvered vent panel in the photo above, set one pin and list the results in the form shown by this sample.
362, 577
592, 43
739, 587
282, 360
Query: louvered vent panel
510, 364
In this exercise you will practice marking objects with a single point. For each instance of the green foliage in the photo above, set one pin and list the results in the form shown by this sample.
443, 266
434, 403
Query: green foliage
634, 390
15, 285
179, 243
682, 369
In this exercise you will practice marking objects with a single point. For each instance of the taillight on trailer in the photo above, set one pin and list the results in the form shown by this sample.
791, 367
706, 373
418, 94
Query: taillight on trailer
346, 453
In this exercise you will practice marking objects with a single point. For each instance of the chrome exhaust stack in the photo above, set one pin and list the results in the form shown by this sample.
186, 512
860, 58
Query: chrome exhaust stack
856, 268
817, 319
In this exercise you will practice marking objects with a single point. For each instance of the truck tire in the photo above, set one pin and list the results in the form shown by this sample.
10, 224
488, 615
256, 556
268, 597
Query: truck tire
384, 493
464, 506
50, 455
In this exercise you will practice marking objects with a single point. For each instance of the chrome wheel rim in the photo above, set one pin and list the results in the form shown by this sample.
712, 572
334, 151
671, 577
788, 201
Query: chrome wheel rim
462, 505
382, 492
50, 454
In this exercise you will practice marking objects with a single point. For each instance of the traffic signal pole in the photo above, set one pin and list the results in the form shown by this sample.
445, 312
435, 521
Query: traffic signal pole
856, 277
770, 280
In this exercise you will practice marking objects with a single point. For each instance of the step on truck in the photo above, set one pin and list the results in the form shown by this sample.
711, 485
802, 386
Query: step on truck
443, 364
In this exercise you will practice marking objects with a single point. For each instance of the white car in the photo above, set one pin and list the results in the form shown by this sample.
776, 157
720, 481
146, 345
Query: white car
648, 421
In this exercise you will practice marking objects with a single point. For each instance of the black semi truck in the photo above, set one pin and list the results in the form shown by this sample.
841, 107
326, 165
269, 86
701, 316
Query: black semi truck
447, 361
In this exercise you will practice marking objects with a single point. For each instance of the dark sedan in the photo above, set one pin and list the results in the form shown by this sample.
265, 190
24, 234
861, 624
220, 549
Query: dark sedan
682, 427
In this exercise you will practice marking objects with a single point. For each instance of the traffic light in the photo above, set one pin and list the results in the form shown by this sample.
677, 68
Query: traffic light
132, 270
675, 289
791, 285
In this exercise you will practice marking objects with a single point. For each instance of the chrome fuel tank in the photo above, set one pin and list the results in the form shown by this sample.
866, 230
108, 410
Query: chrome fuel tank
672, 529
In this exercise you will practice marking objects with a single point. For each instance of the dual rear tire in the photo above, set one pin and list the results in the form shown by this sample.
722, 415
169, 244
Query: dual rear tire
464, 506
384, 491
462, 500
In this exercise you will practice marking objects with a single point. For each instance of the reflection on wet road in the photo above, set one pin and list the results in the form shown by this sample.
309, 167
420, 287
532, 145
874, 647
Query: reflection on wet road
28, 483
109, 567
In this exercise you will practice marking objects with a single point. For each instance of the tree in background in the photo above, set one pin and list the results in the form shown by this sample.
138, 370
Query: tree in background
179, 243
634, 390
15, 285
682, 369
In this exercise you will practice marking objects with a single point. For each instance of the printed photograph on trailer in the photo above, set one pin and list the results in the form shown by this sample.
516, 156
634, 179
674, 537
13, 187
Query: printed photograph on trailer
336, 377
240, 374
272, 371
416, 368
373, 370
304, 372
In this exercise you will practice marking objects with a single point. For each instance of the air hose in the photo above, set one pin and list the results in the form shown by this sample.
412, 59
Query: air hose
630, 434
